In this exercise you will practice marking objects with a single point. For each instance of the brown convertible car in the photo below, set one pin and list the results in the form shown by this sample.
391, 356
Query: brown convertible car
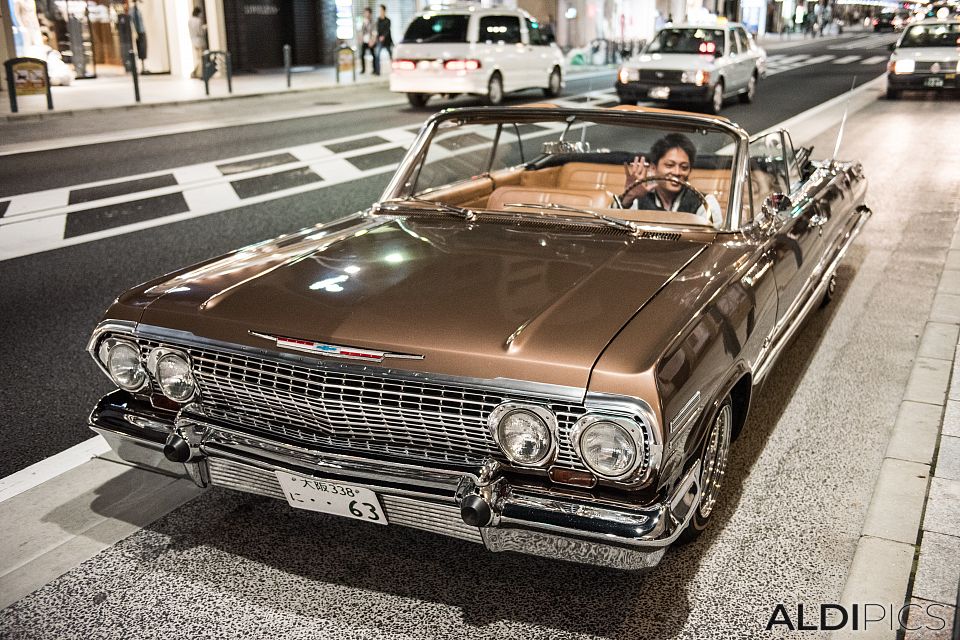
543, 338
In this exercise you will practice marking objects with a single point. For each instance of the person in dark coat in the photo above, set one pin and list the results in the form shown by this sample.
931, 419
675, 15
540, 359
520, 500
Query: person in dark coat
384, 39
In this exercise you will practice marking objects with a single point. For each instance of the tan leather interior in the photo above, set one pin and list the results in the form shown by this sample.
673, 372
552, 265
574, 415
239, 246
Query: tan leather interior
503, 196
590, 175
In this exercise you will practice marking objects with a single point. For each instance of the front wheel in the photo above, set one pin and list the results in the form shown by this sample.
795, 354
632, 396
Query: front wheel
713, 469
893, 94
716, 99
418, 100
554, 84
830, 291
494, 90
747, 96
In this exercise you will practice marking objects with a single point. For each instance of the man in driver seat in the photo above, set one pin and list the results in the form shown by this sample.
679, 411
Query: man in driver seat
671, 156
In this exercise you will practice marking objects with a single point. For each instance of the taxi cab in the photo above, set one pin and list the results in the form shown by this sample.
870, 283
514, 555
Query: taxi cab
925, 58
694, 63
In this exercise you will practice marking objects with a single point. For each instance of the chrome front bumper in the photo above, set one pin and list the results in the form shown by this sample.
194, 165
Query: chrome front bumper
478, 505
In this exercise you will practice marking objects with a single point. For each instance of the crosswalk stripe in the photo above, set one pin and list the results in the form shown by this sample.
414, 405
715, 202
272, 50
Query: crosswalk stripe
875, 60
846, 59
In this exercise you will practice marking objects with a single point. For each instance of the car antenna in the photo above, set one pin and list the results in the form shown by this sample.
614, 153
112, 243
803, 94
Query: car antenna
843, 122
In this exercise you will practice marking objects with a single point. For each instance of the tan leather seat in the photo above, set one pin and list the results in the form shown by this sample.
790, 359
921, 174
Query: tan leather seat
592, 176
503, 196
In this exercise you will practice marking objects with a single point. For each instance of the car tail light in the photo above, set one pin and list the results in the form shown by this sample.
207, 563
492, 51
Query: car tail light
876, 22
461, 65
708, 47
702, 77
404, 65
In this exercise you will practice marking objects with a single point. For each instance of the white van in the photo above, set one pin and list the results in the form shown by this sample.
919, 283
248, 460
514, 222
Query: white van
475, 50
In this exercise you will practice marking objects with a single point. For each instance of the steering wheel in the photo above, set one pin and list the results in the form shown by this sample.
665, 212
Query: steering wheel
673, 179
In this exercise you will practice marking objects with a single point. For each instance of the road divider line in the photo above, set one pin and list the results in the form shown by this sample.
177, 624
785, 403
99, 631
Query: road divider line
49, 468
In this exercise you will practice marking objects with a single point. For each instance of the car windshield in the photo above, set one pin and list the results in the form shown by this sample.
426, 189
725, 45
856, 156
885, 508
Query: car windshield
560, 163
707, 41
437, 28
932, 35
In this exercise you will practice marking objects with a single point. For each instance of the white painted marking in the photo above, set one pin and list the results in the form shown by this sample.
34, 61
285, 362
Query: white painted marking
27, 202
846, 59
32, 236
818, 60
336, 170
214, 197
309, 151
38, 473
876, 60
197, 173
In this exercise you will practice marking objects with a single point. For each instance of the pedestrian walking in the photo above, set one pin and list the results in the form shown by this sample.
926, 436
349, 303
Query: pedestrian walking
136, 21
198, 39
384, 39
368, 41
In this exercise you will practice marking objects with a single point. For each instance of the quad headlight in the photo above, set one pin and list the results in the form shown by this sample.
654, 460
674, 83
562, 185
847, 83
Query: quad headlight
173, 373
610, 446
626, 74
525, 433
121, 360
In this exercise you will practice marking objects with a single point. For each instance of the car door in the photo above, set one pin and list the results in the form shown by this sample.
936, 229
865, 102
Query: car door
751, 54
798, 242
538, 54
501, 37
738, 55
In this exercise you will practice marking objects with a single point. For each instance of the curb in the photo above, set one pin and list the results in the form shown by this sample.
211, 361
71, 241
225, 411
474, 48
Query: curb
884, 567
46, 115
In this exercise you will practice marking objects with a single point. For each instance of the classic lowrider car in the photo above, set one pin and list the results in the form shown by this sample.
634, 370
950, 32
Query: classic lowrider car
497, 350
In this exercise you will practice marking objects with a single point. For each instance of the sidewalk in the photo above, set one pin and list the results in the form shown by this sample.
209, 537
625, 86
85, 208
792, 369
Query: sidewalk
165, 89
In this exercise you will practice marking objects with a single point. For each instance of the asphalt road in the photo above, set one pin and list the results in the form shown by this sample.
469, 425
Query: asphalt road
52, 300
228, 565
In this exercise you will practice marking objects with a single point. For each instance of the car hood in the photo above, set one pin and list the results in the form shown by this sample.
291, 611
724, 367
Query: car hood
927, 54
673, 61
535, 302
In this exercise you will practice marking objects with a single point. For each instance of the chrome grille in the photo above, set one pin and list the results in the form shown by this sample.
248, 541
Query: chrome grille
664, 77
361, 413
437, 517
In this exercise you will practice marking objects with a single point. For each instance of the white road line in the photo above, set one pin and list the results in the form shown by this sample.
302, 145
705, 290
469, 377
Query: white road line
49, 468
846, 59
876, 60
219, 123
818, 60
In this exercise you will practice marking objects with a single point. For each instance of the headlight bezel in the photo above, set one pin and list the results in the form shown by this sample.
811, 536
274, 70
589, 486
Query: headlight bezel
107, 347
643, 456
543, 414
626, 75
153, 363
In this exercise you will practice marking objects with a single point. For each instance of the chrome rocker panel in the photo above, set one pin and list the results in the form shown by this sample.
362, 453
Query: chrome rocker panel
525, 519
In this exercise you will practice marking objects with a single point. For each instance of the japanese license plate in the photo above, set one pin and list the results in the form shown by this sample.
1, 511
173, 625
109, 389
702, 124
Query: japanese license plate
659, 93
304, 492
933, 82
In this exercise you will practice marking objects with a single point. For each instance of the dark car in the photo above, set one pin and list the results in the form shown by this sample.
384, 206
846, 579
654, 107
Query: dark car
891, 21
498, 350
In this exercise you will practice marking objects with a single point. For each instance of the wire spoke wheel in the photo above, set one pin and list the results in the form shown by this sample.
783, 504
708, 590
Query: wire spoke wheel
715, 459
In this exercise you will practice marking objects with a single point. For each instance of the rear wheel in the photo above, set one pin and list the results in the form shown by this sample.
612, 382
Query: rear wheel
716, 99
554, 84
418, 100
830, 291
751, 92
495, 90
713, 469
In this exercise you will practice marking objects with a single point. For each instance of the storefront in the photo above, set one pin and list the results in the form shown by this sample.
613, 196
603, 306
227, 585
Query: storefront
93, 38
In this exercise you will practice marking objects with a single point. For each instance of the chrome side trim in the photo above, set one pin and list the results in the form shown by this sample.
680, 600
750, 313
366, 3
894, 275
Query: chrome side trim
683, 420
766, 360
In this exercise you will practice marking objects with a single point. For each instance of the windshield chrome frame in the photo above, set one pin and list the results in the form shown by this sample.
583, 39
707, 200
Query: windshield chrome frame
732, 220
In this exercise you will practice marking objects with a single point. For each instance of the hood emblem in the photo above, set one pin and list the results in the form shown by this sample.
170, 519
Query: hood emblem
334, 350
935, 67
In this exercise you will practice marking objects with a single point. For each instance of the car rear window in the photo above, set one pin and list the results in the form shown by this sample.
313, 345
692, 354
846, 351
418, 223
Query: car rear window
437, 28
706, 41
932, 35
